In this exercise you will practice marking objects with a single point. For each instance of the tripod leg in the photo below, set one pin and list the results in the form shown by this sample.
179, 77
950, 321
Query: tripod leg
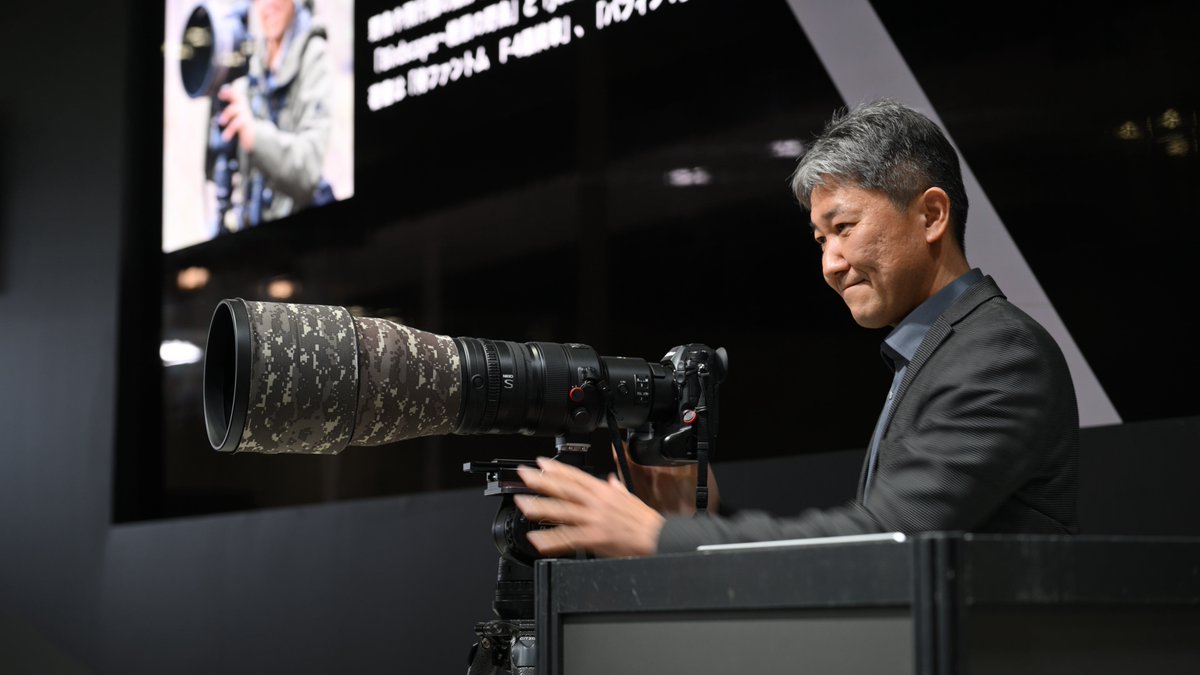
483, 659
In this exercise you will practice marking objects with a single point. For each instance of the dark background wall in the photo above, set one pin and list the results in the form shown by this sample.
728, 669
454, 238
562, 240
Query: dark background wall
382, 585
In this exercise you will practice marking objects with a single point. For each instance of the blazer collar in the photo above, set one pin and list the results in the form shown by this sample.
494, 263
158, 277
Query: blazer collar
980, 292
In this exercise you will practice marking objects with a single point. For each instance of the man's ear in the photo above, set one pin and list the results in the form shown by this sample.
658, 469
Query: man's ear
935, 206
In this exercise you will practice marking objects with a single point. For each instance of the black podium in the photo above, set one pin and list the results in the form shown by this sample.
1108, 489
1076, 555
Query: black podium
931, 604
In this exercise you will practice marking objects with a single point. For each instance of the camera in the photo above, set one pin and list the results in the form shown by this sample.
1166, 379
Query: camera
314, 379
216, 47
215, 50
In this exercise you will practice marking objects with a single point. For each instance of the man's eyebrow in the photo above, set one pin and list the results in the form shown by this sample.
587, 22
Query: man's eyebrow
831, 213
828, 216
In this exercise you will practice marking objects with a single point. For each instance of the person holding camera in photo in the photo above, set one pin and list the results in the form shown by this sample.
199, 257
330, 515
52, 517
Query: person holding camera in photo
279, 114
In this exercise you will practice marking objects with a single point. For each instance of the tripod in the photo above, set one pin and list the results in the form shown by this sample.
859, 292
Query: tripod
506, 644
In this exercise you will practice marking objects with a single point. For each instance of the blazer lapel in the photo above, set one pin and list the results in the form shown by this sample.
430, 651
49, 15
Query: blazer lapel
939, 332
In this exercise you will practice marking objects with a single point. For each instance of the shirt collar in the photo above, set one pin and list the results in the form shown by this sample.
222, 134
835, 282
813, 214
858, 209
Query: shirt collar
901, 344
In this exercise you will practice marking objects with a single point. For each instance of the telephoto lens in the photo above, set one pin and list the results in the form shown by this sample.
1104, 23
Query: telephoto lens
215, 46
313, 379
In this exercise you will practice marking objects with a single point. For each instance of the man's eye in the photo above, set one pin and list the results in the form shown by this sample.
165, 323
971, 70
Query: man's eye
841, 227
820, 242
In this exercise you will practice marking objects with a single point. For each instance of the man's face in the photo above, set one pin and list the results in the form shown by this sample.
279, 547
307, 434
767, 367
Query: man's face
274, 17
874, 255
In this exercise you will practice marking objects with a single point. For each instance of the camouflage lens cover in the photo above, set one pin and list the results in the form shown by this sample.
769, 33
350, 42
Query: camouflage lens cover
303, 379
410, 383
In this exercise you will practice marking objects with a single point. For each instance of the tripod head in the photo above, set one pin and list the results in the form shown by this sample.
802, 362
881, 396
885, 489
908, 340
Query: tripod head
506, 643
510, 526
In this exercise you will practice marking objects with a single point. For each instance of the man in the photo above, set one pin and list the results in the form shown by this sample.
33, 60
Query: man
280, 115
980, 428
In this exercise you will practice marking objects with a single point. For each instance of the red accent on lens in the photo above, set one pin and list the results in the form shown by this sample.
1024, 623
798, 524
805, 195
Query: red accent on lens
577, 394
689, 417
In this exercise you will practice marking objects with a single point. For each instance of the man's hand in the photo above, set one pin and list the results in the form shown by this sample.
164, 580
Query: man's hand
592, 514
237, 118
671, 490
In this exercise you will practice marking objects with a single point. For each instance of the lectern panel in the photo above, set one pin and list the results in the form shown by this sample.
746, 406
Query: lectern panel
843, 642
1098, 640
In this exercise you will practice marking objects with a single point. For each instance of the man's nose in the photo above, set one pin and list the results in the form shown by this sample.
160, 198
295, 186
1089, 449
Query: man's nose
832, 262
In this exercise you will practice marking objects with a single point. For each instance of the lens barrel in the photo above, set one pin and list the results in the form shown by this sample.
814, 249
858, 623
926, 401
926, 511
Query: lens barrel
312, 379
213, 47
550, 388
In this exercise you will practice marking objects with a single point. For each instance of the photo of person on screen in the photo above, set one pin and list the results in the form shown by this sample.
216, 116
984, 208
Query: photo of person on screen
279, 117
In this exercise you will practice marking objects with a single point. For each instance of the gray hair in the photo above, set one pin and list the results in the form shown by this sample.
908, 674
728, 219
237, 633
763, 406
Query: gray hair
885, 146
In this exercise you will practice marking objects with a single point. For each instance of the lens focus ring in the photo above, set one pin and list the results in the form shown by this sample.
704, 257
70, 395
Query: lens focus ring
491, 407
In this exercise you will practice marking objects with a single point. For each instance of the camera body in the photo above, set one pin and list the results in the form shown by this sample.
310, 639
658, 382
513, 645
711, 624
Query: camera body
553, 389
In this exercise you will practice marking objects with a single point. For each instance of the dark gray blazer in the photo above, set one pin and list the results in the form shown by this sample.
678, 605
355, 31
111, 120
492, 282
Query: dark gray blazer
983, 436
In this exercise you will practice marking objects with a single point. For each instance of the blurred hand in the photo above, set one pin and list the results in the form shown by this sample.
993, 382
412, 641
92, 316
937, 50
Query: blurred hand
237, 118
671, 490
592, 514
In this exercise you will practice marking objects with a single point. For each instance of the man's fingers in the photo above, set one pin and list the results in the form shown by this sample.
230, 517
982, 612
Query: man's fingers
558, 480
234, 113
565, 471
592, 513
556, 540
232, 120
232, 129
535, 480
549, 510
616, 483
